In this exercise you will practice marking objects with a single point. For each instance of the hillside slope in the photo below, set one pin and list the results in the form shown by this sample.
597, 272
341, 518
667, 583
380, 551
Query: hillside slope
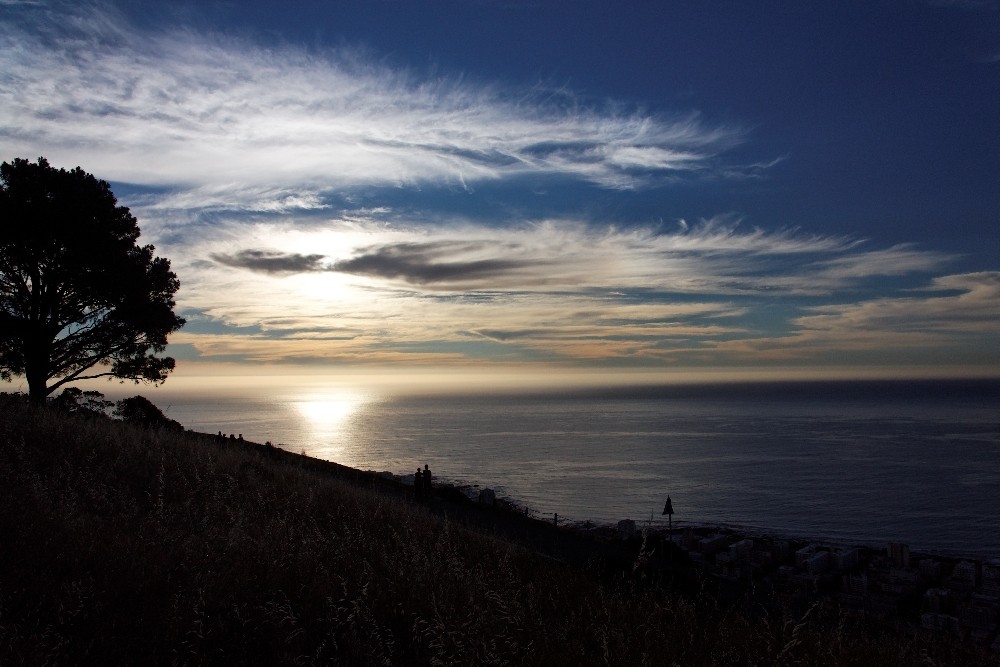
124, 546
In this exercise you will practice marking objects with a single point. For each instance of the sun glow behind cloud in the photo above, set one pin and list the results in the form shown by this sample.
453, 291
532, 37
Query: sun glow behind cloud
555, 292
261, 172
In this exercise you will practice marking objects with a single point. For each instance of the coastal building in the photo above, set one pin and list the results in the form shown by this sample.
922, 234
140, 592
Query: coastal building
991, 578
741, 550
854, 590
689, 540
845, 559
817, 563
960, 598
930, 570
944, 623
804, 554
938, 601
713, 544
978, 616
768, 555
734, 567
900, 581
964, 576
626, 529
899, 554
957, 611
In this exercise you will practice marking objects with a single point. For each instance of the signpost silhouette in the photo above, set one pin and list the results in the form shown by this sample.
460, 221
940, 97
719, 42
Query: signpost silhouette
668, 509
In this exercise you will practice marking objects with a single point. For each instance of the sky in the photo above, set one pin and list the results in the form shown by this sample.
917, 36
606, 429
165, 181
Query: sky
782, 189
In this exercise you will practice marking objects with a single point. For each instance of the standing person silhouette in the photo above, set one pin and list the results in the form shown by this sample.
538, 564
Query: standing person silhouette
418, 484
427, 481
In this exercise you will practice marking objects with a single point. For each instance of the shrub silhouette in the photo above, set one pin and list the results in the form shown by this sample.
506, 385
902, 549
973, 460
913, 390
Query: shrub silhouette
76, 401
141, 412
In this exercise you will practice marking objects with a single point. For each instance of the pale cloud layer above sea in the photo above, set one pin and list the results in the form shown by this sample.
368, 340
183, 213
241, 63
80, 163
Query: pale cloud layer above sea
564, 290
238, 158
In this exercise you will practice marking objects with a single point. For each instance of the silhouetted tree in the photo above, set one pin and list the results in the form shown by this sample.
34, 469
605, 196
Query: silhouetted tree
140, 411
75, 400
78, 297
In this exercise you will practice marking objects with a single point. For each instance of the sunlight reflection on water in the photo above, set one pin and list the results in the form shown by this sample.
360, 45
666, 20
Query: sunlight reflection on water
325, 419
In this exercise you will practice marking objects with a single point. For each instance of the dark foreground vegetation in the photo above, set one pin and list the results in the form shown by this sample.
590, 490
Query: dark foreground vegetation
125, 545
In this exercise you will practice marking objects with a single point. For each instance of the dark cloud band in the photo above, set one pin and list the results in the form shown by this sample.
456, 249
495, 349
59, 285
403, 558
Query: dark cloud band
428, 263
271, 262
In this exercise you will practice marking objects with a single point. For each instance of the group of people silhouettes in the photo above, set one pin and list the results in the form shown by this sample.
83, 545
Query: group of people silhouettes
422, 483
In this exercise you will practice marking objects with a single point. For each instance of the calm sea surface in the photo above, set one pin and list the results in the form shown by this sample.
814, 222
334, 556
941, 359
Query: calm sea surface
864, 463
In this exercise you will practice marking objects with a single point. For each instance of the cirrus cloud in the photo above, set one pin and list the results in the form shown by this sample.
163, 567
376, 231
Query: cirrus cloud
238, 125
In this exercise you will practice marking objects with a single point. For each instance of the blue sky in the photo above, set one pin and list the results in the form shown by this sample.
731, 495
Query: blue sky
780, 187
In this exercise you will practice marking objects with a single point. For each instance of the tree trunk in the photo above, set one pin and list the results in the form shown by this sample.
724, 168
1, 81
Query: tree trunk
36, 365
37, 389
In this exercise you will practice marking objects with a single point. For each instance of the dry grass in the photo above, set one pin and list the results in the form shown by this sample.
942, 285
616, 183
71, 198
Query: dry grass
120, 546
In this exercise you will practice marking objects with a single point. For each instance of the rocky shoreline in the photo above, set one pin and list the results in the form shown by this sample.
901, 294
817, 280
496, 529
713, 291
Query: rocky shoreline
930, 593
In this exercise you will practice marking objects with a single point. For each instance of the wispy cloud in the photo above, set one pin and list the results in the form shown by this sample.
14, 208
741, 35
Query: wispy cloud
238, 126
358, 289
898, 260
949, 318
714, 256
956, 303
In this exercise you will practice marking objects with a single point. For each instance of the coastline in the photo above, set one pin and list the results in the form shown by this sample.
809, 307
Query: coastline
814, 463
448, 493
927, 592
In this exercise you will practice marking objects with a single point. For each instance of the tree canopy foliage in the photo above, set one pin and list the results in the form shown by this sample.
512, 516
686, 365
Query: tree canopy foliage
76, 401
140, 411
79, 298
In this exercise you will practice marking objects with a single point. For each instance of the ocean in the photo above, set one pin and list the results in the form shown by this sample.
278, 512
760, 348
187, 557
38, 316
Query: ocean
840, 462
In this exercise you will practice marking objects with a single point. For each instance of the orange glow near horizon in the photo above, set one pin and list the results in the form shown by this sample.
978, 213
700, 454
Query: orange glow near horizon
337, 385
